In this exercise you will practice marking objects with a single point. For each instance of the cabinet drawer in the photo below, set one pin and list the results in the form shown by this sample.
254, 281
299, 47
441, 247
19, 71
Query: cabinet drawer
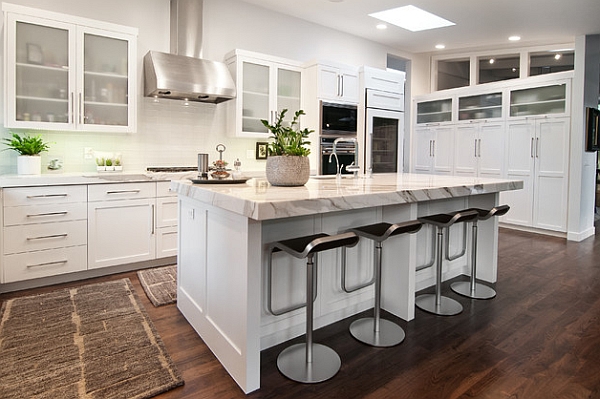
163, 189
166, 212
166, 242
44, 213
35, 237
44, 195
39, 264
121, 191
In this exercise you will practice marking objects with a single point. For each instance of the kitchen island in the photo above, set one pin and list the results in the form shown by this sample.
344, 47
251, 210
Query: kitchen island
224, 288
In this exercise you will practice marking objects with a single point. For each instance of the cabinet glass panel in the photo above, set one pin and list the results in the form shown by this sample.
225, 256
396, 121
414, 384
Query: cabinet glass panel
453, 73
42, 73
434, 111
480, 107
385, 145
288, 92
538, 101
255, 97
105, 81
494, 69
551, 62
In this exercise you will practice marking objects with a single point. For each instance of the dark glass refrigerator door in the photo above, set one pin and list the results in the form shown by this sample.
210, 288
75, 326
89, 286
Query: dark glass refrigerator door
384, 145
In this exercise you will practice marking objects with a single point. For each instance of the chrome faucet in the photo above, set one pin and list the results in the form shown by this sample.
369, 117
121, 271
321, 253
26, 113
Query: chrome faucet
353, 167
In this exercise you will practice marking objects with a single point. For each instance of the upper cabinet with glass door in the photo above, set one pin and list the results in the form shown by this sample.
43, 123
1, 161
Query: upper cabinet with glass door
62, 73
483, 106
541, 100
266, 85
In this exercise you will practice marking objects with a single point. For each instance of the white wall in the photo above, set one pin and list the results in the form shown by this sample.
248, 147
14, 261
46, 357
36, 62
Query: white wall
169, 133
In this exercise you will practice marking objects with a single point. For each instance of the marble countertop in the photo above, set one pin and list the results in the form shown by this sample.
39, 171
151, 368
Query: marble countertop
258, 200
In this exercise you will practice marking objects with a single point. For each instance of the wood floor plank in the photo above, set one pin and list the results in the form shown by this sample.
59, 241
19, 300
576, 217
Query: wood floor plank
539, 338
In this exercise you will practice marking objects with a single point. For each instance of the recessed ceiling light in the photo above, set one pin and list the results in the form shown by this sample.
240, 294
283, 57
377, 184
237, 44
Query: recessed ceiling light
492, 60
411, 18
336, 1
381, 26
440, 46
514, 38
557, 56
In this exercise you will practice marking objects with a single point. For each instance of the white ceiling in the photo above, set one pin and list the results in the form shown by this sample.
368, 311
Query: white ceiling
479, 23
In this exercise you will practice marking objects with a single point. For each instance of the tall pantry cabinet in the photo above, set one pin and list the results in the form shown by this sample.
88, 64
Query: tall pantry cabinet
68, 73
511, 130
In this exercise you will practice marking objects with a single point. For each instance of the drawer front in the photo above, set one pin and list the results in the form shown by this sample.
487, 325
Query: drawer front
163, 189
36, 237
43, 213
166, 242
44, 195
121, 191
166, 212
39, 264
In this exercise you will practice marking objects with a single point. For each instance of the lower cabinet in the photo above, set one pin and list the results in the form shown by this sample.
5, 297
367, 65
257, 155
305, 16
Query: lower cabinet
434, 150
538, 154
166, 220
121, 225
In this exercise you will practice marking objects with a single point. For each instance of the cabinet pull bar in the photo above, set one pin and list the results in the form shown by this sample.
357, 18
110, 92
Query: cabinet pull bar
153, 219
57, 262
475, 147
342, 87
532, 147
72, 107
392, 96
47, 214
537, 147
80, 109
46, 237
479, 148
46, 196
433, 147
123, 192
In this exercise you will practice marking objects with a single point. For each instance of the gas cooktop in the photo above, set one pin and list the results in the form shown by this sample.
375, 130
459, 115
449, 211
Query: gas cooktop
172, 169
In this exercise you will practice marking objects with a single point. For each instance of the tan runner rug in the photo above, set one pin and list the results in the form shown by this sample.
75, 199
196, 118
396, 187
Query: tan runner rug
94, 341
160, 284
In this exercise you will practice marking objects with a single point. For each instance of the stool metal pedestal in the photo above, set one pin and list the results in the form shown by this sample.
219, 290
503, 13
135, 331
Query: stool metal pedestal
471, 288
376, 331
309, 362
436, 303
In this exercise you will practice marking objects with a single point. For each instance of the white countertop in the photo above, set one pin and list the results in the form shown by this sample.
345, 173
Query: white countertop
258, 200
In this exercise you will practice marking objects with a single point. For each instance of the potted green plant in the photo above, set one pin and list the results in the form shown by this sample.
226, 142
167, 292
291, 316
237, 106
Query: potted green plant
288, 163
29, 161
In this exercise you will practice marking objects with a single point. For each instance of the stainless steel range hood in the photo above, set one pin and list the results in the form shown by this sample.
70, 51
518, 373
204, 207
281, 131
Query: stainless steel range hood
183, 74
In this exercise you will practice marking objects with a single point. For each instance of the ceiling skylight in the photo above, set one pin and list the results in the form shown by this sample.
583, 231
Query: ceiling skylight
411, 18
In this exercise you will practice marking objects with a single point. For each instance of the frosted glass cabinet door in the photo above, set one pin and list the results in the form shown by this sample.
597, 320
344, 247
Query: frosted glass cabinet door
105, 81
39, 79
256, 95
288, 91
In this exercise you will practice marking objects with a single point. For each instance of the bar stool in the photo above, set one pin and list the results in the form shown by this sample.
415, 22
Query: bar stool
376, 331
309, 362
471, 288
436, 303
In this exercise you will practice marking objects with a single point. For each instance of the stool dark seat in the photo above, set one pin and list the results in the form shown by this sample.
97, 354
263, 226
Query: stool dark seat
471, 288
374, 330
436, 303
309, 362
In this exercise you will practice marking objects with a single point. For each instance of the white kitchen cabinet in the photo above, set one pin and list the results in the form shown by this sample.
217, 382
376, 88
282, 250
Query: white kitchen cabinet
121, 223
68, 73
265, 85
166, 220
332, 82
433, 149
479, 149
44, 232
538, 154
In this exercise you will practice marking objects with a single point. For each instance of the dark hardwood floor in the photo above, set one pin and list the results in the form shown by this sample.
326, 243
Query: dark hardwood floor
539, 338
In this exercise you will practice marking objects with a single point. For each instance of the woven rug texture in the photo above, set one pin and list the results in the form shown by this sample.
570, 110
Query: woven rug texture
160, 284
94, 341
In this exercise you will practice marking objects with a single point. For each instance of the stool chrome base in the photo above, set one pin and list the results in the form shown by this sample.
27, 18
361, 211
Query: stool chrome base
480, 292
292, 363
389, 334
447, 306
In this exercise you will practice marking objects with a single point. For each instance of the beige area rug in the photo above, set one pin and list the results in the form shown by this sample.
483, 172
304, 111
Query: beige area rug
160, 284
94, 341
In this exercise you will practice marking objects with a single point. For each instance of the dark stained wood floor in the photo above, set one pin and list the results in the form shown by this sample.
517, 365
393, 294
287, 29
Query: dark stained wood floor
539, 338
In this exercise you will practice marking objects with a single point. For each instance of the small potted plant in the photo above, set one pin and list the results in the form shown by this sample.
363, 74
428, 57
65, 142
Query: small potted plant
288, 163
100, 164
29, 161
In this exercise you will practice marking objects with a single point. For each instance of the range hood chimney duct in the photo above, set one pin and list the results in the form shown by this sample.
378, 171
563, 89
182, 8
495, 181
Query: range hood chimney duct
183, 74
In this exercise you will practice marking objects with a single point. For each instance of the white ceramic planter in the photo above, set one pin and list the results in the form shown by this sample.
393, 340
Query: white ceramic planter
29, 165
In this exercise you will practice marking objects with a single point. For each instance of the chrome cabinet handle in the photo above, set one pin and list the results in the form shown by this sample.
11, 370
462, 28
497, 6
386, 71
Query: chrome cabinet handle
153, 217
46, 196
537, 147
475, 148
57, 262
47, 237
342, 86
479, 148
47, 214
123, 192
532, 150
